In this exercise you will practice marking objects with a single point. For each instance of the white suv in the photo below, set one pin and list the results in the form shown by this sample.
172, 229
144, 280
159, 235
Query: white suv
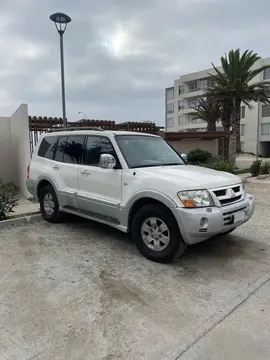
138, 184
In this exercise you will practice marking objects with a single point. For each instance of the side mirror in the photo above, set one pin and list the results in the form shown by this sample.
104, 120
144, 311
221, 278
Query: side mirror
107, 161
184, 156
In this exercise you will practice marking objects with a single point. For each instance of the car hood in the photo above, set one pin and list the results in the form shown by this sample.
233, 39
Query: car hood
190, 177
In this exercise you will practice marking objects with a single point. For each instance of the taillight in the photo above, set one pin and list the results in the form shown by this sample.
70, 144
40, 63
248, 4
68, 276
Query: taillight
28, 171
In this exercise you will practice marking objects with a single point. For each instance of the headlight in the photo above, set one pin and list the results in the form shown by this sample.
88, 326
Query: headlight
195, 198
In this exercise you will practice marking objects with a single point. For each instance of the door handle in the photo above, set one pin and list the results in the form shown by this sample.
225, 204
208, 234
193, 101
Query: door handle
85, 173
56, 167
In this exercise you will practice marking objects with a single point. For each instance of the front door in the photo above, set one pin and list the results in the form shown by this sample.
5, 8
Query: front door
99, 190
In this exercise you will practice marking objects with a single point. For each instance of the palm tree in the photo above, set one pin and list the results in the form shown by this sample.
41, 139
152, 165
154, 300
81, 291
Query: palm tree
231, 86
209, 111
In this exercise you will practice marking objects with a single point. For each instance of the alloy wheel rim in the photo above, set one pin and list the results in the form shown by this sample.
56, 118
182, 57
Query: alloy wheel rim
155, 234
48, 203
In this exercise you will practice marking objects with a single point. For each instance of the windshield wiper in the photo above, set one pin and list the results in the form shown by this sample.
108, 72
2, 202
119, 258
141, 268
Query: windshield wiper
169, 164
143, 166
152, 165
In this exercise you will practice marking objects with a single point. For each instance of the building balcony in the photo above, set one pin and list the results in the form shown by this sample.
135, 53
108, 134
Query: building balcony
187, 110
191, 94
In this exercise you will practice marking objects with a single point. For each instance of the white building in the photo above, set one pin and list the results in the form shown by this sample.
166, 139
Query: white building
180, 98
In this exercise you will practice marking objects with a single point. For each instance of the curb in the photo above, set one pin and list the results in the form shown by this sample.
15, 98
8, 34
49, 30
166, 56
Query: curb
20, 220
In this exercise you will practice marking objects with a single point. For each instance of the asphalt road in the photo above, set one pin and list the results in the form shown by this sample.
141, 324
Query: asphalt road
81, 291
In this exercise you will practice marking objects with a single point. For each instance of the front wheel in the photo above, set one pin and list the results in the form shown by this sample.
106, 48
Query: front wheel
157, 234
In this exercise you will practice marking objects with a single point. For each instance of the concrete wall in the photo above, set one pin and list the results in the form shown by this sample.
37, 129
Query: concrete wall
186, 145
7, 170
19, 127
15, 148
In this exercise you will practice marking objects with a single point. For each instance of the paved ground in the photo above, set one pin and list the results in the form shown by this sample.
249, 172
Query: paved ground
25, 207
81, 291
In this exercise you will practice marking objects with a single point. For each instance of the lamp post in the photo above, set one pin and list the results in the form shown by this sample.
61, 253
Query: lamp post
258, 131
82, 112
61, 20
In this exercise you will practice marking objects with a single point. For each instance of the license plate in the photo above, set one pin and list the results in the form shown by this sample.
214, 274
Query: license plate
239, 216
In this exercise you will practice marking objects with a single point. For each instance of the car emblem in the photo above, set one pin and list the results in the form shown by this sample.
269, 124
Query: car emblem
231, 193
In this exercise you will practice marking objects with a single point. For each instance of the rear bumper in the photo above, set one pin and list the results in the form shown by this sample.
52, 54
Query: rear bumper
31, 187
197, 225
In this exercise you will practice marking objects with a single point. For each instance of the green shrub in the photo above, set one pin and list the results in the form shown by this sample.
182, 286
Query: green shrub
256, 167
9, 195
198, 156
220, 165
265, 167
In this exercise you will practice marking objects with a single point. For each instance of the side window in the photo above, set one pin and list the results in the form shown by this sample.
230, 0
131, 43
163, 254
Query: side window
60, 148
47, 147
73, 149
95, 147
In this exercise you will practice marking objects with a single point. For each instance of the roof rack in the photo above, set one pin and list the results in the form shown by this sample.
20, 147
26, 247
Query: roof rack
75, 129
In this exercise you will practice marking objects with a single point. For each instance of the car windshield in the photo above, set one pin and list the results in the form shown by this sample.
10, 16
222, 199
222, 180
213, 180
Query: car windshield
145, 151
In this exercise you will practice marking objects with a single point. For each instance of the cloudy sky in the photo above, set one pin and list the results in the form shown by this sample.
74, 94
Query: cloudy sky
119, 54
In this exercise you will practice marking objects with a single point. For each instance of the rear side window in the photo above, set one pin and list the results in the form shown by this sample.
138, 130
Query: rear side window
48, 147
59, 153
73, 149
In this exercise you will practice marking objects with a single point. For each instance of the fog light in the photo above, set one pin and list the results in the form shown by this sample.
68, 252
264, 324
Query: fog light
204, 222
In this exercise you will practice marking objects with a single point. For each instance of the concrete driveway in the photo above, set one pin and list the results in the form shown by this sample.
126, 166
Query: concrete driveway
81, 291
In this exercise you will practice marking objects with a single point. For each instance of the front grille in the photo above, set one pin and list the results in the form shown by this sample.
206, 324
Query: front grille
229, 195
229, 201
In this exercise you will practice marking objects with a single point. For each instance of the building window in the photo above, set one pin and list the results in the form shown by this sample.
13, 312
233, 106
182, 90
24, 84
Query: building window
193, 103
170, 123
194, 120
266, 111
169, 93
170, 108
242, 130
265, 129
192, 87
266, 74
181, 105
210, 82
181, 120
181, 89
243, 112
202, 84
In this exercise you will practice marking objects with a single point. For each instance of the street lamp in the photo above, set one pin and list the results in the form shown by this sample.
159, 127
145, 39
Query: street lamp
61, 20
82, 112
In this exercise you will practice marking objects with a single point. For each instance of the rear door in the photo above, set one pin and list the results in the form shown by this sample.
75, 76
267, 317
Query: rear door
66, 164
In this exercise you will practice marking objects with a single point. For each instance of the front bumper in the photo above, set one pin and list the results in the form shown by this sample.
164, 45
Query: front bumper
200, 224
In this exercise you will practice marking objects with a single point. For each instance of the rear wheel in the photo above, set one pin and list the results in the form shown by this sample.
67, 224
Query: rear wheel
49, 205
157, 234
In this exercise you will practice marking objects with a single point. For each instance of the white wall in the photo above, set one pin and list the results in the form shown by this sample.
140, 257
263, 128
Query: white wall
15, 148
19, 127
7, 169
186, 145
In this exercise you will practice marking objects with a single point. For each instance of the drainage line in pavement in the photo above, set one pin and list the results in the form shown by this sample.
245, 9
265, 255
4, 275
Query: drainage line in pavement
217, 319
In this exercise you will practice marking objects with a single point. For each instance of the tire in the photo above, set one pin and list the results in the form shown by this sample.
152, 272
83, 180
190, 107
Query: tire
50, 211
166, 245
227, 232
